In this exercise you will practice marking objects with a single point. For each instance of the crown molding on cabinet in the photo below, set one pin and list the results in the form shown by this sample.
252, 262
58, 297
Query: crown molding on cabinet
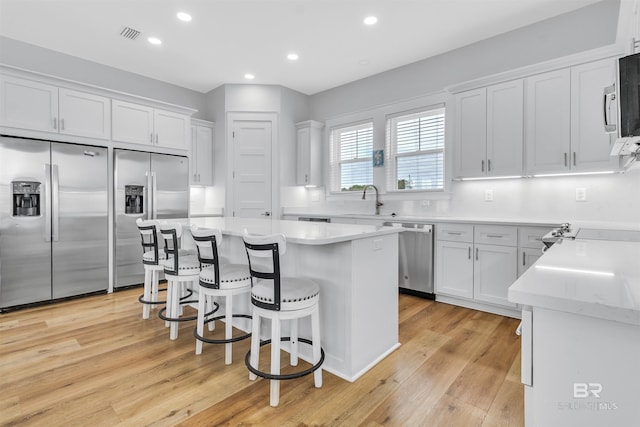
98, 90
610, 51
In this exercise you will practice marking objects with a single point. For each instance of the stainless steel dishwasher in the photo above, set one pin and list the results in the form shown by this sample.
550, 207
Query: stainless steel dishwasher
415, 258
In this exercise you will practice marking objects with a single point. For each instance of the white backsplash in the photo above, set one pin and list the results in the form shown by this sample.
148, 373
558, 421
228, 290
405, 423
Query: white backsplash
609, 199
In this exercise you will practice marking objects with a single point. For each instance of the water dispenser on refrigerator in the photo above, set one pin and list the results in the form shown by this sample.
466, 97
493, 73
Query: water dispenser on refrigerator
133, 199
26, 198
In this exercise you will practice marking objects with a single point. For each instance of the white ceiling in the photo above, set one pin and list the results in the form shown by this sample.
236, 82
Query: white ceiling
228, 38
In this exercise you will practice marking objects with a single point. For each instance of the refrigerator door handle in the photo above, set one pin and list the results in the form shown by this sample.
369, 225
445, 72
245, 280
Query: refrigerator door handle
153, 189
55, 203
47, 201
149, 206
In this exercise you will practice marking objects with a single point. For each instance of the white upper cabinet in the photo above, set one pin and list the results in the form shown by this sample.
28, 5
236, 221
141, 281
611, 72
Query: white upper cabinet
565, 120
172, 129
28, 105
505, 128
471, 133
548, 138
141, 124
202, 154
489, 131
309, 153
32, 105
132, 122
84, 114
590, 145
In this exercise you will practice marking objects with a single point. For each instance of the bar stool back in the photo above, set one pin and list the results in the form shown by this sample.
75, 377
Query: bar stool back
152, 256
181, 269
218, 279
280, 298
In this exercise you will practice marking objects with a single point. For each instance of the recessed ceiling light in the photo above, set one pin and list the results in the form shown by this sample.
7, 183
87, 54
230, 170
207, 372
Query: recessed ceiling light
249, 76
154, 40
364, 62
292, 57
370, 20
183, 16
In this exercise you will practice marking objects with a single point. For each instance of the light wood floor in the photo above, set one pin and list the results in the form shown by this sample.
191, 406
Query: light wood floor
95, 362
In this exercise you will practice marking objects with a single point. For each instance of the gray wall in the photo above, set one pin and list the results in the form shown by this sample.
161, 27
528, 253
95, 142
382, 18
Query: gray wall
587, 28
41, 60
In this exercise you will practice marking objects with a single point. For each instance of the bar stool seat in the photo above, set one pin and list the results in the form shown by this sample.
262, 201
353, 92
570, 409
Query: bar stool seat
182, 270
280, 298
218, 280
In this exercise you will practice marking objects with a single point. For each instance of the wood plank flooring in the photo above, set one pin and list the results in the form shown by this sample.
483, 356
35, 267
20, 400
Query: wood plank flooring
96, 362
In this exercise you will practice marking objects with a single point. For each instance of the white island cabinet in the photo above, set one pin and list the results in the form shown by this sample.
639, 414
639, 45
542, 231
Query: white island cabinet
581, 334
356, 267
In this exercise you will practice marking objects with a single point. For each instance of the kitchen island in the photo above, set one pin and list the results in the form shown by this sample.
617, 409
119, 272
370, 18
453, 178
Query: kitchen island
356, 267
581, 334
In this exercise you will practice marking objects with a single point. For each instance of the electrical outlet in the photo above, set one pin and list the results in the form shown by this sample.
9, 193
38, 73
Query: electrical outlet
488, 195
581, 194
426, 203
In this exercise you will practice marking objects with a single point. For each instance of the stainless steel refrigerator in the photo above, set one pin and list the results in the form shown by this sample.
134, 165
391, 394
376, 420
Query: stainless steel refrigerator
147, 186
53, 220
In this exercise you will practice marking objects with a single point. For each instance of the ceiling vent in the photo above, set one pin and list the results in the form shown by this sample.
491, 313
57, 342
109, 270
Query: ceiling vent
129, 33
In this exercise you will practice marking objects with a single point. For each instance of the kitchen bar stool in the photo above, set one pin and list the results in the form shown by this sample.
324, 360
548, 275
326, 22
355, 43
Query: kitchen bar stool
151, 257
280, 298
180, 268
217, 279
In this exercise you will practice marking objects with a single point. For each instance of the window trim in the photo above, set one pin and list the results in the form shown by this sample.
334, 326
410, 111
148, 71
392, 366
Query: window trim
391, 154
334, 155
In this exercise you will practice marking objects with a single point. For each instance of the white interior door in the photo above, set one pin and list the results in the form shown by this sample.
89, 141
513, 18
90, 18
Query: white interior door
252, 140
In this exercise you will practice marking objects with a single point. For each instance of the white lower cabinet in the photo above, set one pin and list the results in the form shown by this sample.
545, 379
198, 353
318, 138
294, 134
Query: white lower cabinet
476, 263
529, 246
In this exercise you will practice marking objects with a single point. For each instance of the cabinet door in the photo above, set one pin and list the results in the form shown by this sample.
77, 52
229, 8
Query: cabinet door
528, 256
454, 269
84, 114
172, 129
29, 105
494, 271
132, 122
590, 145
202, 155
505, 129
471, 133
303, 136
548, 122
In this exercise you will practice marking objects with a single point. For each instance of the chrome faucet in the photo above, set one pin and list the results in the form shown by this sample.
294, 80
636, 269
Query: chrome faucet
378, 203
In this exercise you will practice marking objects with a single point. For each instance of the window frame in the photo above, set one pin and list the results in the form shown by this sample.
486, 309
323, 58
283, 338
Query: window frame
335, 152
392, 155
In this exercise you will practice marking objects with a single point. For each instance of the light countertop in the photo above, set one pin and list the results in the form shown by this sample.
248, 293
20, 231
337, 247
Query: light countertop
306, 233
596, 278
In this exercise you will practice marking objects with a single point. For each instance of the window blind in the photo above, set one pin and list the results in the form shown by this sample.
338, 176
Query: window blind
415, 151
351, 157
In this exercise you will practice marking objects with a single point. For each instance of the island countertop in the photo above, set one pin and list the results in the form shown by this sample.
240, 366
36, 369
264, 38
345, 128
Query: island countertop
305, 233
595, 278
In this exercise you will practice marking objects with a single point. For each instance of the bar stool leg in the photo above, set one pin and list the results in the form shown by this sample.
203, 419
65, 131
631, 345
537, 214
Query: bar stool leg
210, 305
255, 343
155, 278
315, 336
228, 327
202, 304
293, 360
146, 293
275, 360
176, 308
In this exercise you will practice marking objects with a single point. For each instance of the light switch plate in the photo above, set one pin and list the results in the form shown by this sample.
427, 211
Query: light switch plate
488, 195
581, 194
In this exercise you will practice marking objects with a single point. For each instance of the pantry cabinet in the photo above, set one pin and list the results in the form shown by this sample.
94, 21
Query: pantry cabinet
37, 106
142, 124
489, 131
201, 158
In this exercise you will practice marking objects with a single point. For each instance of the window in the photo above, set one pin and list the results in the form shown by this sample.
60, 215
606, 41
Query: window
351, 157
415, 151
